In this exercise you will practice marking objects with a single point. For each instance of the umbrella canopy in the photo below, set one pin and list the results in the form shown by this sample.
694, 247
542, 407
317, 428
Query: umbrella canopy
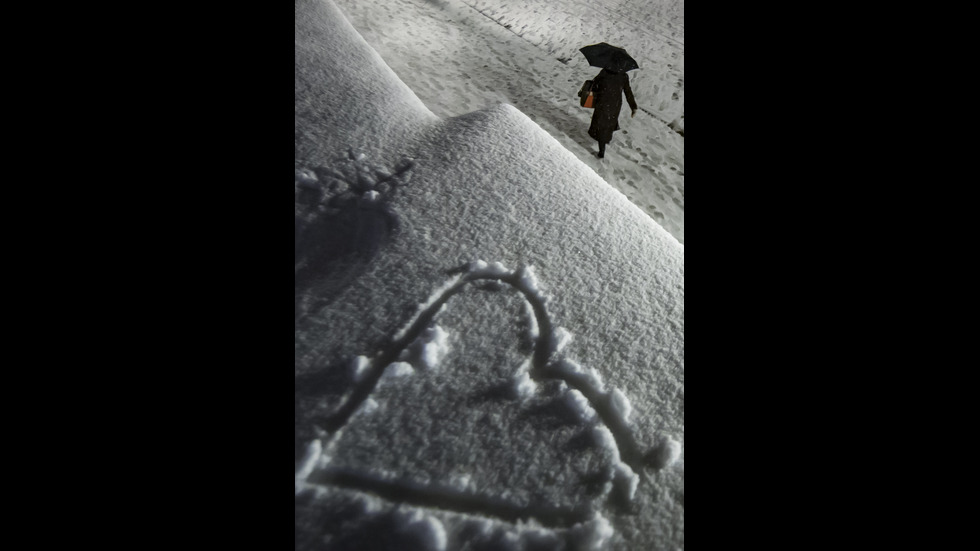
609, 57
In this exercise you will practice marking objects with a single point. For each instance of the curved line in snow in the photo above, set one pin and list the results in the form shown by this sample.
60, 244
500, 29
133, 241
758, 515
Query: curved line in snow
544, 359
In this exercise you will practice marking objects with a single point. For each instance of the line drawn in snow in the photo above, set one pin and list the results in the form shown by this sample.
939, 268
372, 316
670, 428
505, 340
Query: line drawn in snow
379, 522
606, 411
343, 217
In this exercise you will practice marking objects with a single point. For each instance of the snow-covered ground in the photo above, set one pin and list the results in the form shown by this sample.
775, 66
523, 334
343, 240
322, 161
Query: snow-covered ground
463, 55
489, 337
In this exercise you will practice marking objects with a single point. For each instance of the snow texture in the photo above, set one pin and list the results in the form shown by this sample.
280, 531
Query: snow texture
436, 346
579, 404
444, 402
591, 535
524, 386
426, 530
626, 481
313, 452
425, 306
672, 452
528, 280
604, 439
397, 369
571, 370
359, 367
368, 407
559, 339
532, 323
620, 404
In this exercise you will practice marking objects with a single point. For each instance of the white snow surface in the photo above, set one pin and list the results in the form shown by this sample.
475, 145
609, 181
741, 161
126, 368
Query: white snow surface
579, 405
359, 367
672, 452
428, 531
313, 451
524, 386
397, 369
547, 379
436, 346
620, 404
464, 55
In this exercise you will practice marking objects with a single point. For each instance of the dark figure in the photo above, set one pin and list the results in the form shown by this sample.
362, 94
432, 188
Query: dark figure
608, 88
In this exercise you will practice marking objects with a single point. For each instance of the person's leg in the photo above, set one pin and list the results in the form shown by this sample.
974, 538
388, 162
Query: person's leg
602, 149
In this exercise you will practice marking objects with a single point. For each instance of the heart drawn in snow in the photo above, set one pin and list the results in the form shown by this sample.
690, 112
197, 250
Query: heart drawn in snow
429, 423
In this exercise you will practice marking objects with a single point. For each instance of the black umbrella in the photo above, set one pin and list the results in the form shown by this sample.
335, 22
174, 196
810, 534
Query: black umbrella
609, 57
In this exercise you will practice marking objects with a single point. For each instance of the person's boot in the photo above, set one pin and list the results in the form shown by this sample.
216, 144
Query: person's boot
602, 150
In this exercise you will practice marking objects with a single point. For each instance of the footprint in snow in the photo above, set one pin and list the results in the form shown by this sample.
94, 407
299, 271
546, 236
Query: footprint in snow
343, 217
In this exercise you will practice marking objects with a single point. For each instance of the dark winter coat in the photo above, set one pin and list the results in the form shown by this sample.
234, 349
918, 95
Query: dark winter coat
608, 88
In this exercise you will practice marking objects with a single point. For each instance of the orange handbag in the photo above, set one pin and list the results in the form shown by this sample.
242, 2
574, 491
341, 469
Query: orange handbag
585, 95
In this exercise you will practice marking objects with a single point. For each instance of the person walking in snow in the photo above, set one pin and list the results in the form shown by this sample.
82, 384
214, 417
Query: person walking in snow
608, 88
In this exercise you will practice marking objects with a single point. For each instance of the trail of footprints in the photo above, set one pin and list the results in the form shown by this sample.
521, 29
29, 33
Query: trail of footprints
606, 411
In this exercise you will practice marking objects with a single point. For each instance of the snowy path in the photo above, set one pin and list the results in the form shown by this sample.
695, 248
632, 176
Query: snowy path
459, 56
